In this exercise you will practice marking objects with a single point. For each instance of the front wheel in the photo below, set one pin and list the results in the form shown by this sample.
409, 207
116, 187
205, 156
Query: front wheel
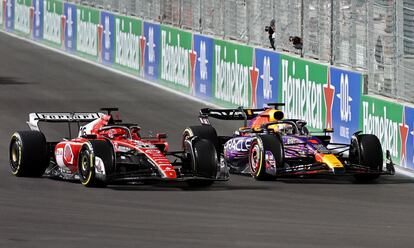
366, 150
266, 154
96, 156
203, 162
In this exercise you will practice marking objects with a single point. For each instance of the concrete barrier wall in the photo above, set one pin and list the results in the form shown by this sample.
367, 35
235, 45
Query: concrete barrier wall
218, 71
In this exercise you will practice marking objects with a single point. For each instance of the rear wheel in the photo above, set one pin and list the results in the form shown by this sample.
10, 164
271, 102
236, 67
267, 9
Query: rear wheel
266, 154
28, 154
204, 163
366, 150
96, 155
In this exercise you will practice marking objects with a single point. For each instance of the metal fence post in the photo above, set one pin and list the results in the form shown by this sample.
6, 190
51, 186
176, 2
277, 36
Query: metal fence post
247, 22
200, 17
331, 59
301, 27
370, 42
236, 22
180, 16
352, 40
222, 12
367, 36
277, 24
400, 83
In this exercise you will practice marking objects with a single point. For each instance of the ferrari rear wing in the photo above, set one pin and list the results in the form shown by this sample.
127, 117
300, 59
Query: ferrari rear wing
65, 117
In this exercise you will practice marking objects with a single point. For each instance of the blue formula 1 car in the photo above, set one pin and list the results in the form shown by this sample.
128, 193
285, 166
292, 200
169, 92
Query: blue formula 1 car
269, 146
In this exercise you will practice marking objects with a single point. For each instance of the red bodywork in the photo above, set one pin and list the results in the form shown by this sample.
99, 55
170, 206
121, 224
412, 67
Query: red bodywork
67, 152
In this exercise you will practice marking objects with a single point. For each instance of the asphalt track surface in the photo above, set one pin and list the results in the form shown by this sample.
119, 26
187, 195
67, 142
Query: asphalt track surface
41, 212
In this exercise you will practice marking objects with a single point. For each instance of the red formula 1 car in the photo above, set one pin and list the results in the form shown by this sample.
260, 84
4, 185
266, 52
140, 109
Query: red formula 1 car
107, 151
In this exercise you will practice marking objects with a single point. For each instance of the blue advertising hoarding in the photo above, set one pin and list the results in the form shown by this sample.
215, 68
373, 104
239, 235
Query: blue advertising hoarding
151, 50
9, 15
267, 66
70, 27
203, 47
38, 19
407, 138
108, 34
346, 103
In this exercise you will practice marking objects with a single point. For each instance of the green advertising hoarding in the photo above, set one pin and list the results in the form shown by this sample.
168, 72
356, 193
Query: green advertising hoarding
52, 30
174, 66
1, 14
87, 32
384, 119
127, 47
304, 88
22, 17
231, 74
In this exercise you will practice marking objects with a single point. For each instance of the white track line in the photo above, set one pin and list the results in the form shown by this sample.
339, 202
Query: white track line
401, 171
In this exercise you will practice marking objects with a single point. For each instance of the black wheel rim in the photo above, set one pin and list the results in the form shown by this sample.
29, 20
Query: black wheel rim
255, 158
84, 166
15, 155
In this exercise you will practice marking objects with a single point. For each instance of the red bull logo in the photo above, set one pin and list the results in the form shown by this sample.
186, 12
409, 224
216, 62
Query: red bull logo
254, 74
100, 33
193, 58
329, 92
142, 41
31, 18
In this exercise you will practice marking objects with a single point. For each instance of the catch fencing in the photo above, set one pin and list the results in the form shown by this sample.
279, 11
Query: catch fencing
372, 36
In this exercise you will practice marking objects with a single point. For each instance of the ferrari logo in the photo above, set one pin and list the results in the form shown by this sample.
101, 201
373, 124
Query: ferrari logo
68, 154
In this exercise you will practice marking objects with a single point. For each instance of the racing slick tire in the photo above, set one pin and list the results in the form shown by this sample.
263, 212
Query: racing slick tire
257, 155
366, 150
28, 154
203, 132
90, 151
204, 159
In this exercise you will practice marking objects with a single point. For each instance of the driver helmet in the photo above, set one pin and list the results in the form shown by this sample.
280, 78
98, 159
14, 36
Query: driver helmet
135, 132
115, 133
275, 115
286, 129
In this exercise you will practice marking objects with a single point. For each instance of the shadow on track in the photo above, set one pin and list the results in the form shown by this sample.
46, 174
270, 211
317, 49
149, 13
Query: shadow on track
12, 81
346, 180
184, 187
